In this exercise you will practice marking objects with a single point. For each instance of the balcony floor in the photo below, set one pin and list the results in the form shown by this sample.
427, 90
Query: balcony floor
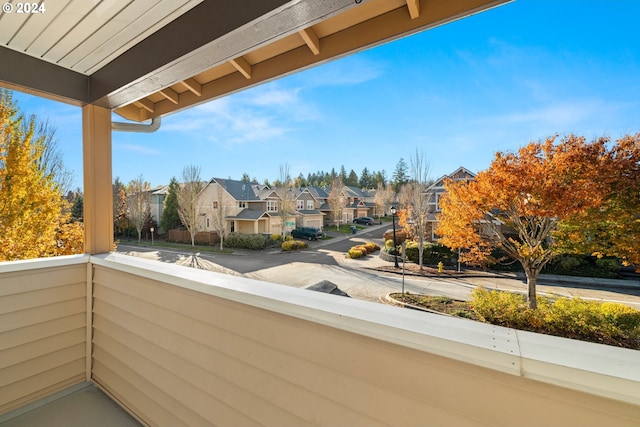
84, 407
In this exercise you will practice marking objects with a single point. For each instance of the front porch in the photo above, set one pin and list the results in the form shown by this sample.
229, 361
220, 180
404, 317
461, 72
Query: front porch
178, 346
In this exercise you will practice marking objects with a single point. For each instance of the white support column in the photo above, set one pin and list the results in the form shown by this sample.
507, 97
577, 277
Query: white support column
98, 200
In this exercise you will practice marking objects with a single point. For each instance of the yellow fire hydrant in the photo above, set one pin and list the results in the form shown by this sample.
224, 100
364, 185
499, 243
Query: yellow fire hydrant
440, 267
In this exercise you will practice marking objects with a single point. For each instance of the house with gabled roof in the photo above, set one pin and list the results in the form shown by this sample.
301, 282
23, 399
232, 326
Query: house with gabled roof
308, 204
359, 203
246, 207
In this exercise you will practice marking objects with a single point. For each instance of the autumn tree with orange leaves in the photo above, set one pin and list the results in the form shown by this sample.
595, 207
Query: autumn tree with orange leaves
610, 228
519, 202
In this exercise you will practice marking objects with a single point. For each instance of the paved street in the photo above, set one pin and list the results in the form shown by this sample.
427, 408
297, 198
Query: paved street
325, 260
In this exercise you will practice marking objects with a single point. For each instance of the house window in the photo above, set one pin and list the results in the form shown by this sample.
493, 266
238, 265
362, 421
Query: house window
208, 223
272, 206
215, 204
242, 204
309, 205
299, 205
438, 202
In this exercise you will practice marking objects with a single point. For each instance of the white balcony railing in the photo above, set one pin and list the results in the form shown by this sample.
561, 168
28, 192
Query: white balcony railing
179, 346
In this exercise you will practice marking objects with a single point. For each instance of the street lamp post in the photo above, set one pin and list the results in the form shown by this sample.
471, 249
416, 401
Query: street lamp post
152, 230
395, 244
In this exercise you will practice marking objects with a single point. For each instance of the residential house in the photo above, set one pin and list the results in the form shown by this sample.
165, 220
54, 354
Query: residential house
359, 203
436, 190
308, 207
244, 207
321, 195
156, 203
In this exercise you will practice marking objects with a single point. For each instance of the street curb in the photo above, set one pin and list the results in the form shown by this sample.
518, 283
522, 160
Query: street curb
587, 282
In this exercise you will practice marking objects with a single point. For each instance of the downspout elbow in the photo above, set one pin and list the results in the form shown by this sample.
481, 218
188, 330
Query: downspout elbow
137, 127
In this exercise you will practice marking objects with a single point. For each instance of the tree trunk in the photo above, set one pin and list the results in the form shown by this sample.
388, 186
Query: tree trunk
532, 278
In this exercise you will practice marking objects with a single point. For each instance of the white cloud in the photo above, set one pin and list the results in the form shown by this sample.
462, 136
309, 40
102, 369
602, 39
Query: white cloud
559, 115
259, 114
140, 149
351, 70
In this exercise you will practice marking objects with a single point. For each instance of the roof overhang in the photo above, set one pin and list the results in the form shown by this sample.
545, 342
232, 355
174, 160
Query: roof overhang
149, 58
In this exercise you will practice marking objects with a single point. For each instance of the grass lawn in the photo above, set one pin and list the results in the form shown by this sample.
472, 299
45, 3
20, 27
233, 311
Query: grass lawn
344, 228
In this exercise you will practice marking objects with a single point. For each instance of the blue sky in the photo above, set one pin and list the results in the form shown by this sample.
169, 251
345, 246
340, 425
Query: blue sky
459, 93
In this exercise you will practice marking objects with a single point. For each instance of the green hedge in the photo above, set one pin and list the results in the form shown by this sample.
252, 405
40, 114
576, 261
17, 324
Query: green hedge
245, 241
607, 323
433, 253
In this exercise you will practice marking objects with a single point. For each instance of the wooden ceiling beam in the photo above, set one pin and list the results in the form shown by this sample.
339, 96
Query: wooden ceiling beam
193, 86
171, 95
242, 65
311, 39
414, 8
146, 104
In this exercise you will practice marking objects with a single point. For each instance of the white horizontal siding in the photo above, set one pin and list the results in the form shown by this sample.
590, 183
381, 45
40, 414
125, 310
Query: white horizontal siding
42, 329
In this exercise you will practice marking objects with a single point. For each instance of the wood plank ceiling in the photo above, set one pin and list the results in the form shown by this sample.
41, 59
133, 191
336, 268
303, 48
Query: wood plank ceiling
148, 58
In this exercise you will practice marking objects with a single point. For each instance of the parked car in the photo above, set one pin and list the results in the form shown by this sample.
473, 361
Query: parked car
365, 220
309, 233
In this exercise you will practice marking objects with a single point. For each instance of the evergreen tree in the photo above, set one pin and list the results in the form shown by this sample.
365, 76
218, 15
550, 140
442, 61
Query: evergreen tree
379, 178
77, 209
343, 174
400, 174
352, 179
366, 179
300, 181
332, 176
170, 217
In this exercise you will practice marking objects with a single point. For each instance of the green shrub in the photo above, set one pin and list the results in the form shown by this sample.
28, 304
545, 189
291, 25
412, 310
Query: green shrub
609, 265
411, 250
583, 265
501, 308
245, 241
389, 248
567, 263
432, 253
291, 245
275, 237
435, 252
607, 323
